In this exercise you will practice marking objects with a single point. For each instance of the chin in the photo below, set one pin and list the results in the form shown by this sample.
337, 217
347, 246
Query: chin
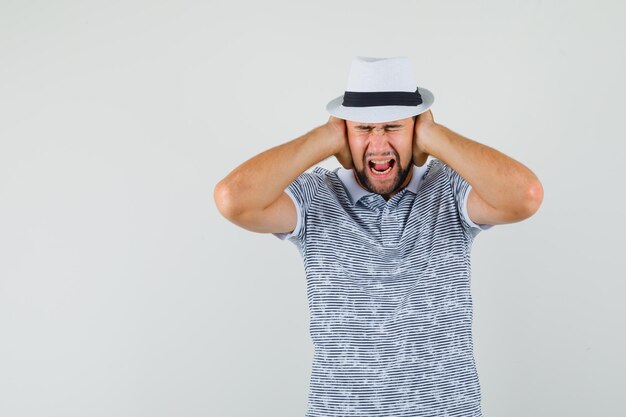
390, 183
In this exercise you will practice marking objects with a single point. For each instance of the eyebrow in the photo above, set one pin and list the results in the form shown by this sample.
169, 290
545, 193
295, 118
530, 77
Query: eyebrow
369, 127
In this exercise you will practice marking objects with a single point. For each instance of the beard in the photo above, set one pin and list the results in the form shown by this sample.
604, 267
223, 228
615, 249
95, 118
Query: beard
400, 177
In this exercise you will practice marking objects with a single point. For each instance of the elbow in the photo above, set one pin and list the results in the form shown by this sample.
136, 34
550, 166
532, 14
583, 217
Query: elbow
534, 198
225, 200
523, 206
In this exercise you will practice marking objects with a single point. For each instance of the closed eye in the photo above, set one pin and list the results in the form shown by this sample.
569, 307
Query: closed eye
388, 128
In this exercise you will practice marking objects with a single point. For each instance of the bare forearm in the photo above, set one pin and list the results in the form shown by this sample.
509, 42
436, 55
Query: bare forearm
259, 181
501, 181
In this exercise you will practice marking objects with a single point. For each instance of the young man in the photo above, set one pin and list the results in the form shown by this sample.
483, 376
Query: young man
385, 241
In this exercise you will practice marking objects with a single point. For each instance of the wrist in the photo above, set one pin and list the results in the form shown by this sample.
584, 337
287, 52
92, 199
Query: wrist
428, 135
324, 139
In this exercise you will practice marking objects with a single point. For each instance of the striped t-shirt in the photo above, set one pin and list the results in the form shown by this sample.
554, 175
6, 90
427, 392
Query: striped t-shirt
388, 286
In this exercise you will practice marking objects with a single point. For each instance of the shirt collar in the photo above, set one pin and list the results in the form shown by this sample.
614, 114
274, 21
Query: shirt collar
356, 192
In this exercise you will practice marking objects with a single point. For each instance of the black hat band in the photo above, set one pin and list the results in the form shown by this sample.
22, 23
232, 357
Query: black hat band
381, 98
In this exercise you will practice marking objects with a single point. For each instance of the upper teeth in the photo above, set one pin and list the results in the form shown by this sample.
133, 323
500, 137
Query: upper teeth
380, 162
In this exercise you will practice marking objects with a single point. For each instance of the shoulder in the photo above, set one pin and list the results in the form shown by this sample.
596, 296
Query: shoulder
318, 178
436, 172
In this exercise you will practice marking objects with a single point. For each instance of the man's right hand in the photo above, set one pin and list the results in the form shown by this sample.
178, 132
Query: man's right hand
337, 129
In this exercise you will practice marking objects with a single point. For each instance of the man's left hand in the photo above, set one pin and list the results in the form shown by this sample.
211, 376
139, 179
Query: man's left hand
423, 124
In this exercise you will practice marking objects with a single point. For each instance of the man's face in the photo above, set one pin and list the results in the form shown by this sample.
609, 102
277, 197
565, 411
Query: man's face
382, 154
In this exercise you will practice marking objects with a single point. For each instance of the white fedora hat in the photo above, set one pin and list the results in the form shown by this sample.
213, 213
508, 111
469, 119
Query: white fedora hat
381, 90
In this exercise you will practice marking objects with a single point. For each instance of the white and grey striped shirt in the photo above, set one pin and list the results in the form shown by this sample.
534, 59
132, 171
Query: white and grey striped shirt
388, 285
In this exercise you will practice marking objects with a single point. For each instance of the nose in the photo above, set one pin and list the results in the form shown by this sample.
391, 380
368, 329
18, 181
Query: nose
378, 140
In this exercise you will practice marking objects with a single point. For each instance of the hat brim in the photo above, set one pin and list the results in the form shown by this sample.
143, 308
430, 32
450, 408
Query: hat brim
379, 114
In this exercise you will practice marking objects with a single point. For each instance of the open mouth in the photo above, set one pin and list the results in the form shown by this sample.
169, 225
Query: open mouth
381, 167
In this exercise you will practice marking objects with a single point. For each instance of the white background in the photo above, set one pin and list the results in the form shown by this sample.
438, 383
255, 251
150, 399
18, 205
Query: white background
123, 292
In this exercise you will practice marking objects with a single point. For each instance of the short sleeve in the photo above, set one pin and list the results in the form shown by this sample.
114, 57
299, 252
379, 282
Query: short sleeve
461, 189
301, 191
